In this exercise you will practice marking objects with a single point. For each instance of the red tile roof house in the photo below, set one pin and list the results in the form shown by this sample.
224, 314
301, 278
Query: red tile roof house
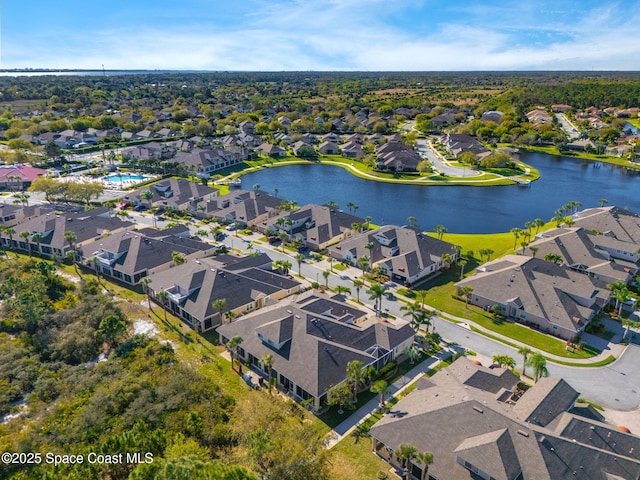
18, 177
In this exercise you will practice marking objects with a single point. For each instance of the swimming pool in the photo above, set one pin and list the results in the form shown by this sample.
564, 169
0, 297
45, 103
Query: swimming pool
124, 177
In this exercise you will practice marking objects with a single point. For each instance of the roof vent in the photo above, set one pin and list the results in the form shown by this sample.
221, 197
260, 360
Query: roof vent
523, 433
478, 409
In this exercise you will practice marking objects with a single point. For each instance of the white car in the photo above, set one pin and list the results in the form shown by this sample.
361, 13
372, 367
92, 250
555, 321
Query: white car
231, 228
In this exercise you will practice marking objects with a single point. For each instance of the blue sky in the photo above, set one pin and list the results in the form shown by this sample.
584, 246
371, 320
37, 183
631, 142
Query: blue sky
321, 34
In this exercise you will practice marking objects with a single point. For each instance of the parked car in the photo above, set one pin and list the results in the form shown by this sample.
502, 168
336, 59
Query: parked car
231, 227
139, 208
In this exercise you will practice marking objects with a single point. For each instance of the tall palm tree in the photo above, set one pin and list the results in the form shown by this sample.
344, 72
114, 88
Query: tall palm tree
355, 376
299, 258
381, 387
418, 316
267, 364
37, 238
461, 263
370, 246
233, 347
534, 249
620, 293
466, 293
145, 286
525, 352
326, 274
406, 453
376, 292
516, 234
422, 296
358, 284
441, 230
10, 232
25, 235
539, 365
220, 304
162, 295
602, 202
426, 459
363, 263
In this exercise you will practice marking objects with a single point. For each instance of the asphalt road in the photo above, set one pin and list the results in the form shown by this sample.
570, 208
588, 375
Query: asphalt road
616, 386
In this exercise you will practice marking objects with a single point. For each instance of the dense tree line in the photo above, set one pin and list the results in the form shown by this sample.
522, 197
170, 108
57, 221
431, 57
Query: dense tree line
140, 397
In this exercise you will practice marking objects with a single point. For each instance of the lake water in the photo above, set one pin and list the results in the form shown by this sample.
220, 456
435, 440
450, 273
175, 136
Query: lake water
460, 209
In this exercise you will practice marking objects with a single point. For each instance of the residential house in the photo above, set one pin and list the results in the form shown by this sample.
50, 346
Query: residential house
396, 156
312, 339
317, 226
602, 257
131, 256
86, 226
243, 207
329, 148
271, 150
458, 143
612, 221
352, 150
18, 177
479, 424
548, 297
405, 254
12, 214
194, 286
175, 193
539, 116
203, 162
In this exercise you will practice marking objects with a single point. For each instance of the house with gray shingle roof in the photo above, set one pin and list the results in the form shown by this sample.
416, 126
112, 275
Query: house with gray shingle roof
537, 293
405, 254
599, 256
474, 432
194, 286
312, 339
244, 207
131, 256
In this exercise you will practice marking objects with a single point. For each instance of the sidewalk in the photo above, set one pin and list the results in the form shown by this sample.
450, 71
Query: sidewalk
364, 412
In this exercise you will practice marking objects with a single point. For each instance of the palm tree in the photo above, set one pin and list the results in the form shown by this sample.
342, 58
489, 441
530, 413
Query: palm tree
426, 459
534, 250
422, 295
602, 202
407, 452
330, 262
620, 293
267, 364
370, 246
350, 206
553, 258
525, 352
147, 195
447, 260
220, 304
441, 230
368, 220
489, 252
461, 263
504, 361
341, 289
416, 313
25, 235
516, 233
363, 263
413, 353
332, 205
299, 258
466, 293
358, 284
539, 223
355, 376
162, 295
37, 238
376, 292
539, 365
381, 388
412, 223
71, 238
145, 286
178, 258
233, 347
326, 274
628, 323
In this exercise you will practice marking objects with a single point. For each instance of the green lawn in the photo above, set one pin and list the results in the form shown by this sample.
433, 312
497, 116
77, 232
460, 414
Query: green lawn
440, 298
